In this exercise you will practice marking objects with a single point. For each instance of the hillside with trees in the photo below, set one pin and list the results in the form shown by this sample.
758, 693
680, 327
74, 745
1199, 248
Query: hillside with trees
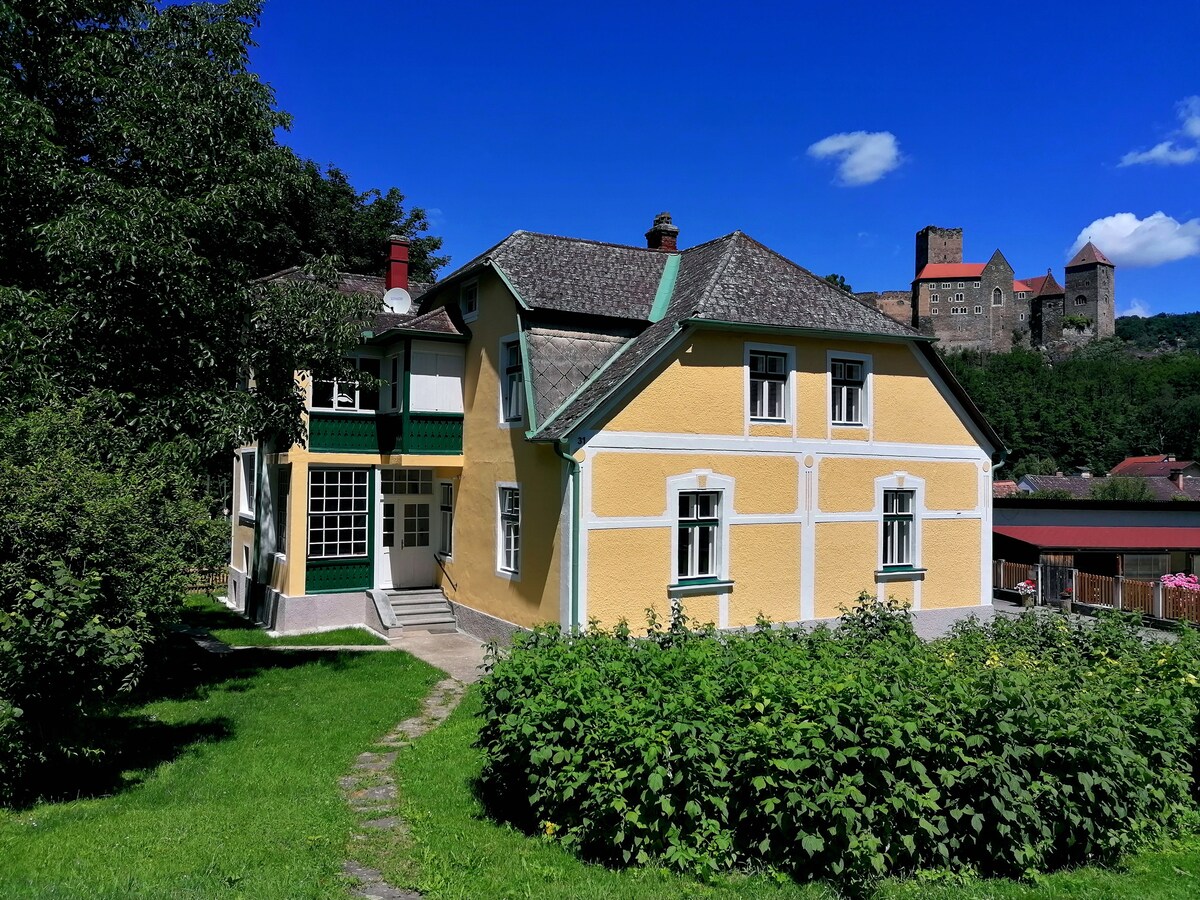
142, 190
1166, 331
1091, 409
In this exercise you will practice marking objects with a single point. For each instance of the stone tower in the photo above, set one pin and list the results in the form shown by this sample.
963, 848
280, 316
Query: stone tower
1090, 290
938, 245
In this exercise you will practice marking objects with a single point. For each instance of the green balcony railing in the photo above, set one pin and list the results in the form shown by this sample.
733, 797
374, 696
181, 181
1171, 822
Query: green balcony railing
385, 433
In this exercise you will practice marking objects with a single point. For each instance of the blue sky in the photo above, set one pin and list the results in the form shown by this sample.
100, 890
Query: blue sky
1026, 124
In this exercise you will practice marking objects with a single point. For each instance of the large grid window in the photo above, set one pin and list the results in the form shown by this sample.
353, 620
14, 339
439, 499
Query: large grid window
513, 385
350, 395
416, 524
446, 514
337, 512
699, 529
898, 529
510, 529
848, 384
768, 386
406, 481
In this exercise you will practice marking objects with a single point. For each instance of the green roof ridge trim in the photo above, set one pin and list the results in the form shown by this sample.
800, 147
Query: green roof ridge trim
587, 383
526, 372
666, 288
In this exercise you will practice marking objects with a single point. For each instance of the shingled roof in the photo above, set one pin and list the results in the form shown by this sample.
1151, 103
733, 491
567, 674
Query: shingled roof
733, 279
1089, 255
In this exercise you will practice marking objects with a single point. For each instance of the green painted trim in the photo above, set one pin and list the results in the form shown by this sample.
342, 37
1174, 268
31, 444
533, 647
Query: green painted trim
574, 475
527, 381
666, 288
719, 324
508, 284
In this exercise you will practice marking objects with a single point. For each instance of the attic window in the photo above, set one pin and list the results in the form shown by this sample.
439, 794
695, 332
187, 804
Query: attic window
468, 301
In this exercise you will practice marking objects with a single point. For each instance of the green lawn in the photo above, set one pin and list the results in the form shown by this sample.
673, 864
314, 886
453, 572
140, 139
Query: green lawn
229, 783
236, 630
453, 852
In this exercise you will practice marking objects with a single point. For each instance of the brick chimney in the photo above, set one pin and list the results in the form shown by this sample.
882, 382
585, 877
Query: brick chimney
662, 234
397, 265
1177, 477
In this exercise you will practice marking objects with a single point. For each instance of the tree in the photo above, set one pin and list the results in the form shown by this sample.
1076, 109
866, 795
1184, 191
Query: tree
1033, 465
839, 281
1120, 487
142, 192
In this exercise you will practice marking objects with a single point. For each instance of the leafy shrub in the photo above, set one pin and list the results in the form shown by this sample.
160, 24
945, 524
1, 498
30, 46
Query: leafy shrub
95, 541
844, 753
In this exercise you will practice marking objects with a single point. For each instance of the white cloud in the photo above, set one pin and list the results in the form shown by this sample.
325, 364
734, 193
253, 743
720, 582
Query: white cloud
1164, 154
863, 156
1152, 241
1135, 308
1170, 153
1189, 116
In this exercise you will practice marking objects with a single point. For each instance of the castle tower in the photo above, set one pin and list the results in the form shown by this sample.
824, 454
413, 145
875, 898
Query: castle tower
1090, 289
938, 245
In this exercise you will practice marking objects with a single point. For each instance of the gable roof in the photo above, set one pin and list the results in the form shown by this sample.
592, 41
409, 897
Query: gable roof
1044, 285
1161, 465
1022, 286
732, 281
1089, 255
951, 270
1081, 488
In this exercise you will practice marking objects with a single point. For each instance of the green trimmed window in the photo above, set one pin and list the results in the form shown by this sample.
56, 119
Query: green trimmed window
513, 384
899, 529
350, 395
699, 526
768, 386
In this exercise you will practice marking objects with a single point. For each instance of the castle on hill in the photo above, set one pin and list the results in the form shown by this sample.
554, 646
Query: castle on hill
983, 306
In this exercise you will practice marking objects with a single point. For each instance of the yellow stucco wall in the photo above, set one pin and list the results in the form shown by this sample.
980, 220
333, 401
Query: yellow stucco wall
635, 484
847, 554
847, 484
906, 406
498, 454
764, 565
950, 550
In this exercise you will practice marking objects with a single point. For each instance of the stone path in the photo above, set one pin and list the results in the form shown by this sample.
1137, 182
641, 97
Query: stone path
370, 788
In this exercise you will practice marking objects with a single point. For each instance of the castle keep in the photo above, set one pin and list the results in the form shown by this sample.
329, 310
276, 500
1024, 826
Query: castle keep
982, 306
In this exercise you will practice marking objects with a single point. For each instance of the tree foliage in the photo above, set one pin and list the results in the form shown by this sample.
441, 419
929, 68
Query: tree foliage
1121, 487
839, 281
1091, 409
143, 191
1165, 330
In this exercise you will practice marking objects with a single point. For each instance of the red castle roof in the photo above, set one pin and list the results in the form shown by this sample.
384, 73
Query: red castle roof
1089, 255
951, 270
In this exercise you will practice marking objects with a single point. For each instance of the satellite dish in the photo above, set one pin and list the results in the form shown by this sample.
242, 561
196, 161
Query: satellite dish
397, 300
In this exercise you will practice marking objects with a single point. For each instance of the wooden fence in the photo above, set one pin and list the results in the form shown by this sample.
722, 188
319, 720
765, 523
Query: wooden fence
1148, 598
206, 581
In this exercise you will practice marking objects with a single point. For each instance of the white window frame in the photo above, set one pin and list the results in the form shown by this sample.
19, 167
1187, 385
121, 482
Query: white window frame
391, 391
466, 294
789, 383
977, 284
445, 520
247, 482
961, 285
356, 405
705, 481
979, 310
1020, 295
933, 298
997, 292
933, 311
958, 297
867, 392
900, 481
282, 501
945, 285
502, 375
1021, 317
514, 573
339, 513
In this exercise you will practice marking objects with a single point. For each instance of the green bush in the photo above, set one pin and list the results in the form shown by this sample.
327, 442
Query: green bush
844, 753
95, 541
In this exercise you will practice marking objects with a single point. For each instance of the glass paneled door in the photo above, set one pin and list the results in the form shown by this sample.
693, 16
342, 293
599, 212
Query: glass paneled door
405, 544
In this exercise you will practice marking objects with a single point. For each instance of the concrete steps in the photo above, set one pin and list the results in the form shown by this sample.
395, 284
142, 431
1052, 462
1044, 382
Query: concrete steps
422, 609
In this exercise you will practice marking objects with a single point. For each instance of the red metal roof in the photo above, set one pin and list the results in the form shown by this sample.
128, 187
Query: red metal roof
1150, 466
1103, 537
952, 270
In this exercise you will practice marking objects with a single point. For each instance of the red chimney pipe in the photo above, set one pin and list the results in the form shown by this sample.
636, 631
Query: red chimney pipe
663, 234
397, 266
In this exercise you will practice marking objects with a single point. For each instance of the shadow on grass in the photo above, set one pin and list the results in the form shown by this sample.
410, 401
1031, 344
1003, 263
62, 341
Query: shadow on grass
131, 745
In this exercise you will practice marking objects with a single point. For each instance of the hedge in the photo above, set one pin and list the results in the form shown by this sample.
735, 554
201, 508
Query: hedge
845, 753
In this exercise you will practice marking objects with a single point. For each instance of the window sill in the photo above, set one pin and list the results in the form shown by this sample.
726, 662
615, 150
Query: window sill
318, 410
900, 574
697, 586
848, 424
246, 518
754, 421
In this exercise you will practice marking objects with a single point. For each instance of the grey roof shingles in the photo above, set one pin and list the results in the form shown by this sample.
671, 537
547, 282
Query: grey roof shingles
561, 361
1081, 488
731, 279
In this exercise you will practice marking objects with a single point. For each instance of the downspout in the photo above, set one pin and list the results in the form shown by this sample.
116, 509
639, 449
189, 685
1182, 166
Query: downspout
560, 447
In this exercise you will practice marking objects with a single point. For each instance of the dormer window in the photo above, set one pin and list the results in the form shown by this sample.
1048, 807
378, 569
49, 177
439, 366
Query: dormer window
468, 301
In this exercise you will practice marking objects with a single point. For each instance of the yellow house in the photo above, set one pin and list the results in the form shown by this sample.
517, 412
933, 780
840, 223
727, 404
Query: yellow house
635, 427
